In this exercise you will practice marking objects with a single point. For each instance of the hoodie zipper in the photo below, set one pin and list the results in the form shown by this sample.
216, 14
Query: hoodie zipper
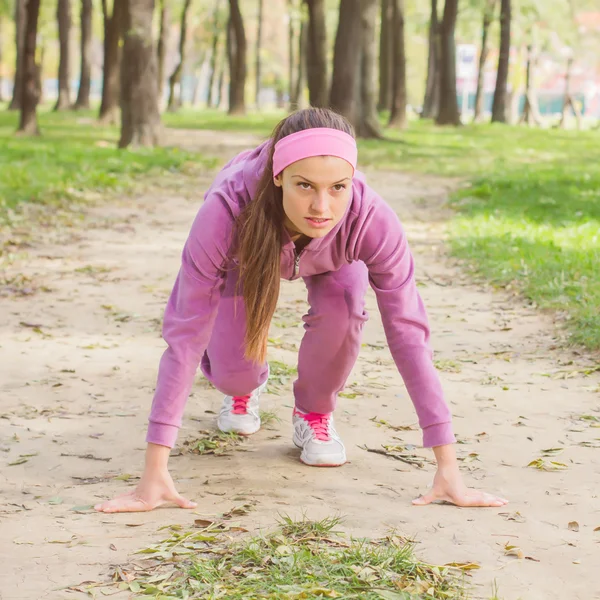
296, 263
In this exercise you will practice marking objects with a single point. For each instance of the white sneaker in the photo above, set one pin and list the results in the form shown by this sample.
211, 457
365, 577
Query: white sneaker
315, 434
240, 414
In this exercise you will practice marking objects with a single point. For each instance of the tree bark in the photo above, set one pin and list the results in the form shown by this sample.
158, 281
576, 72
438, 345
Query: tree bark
221, 81
531, 115
398, 108
448, 113
368, 124
296, 99
569, 102
175, 79
113, 27
236, 51
1, 58
31, 81
291, 51
163, 40
316, 53
346, 60
140, 117
488, 16
63, 15
83, 95
431, 101
385, 57
20, 20
213, 56
499, 106
258, 47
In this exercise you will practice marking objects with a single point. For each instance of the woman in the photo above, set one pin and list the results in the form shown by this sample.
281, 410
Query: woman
293, 207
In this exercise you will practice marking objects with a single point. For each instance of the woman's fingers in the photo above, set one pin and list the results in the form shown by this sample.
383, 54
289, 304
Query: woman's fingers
183, 502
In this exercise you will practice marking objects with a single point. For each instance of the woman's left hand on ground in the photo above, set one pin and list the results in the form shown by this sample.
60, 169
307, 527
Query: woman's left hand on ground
448, 486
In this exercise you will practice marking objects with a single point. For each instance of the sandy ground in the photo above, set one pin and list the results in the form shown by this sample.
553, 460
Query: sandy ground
78, 359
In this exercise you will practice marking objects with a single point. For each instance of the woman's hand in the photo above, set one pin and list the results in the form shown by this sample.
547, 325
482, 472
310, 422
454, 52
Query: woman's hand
155, 488
448, 485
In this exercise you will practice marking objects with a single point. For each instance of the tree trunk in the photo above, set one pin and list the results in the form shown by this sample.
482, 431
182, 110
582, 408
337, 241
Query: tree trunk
569, 101
83, 95
385, 56
499, 106
431, 101
31, 77
63, 15
237, 60
346, 60
1, 58
113, 29
398, 112
316, 53
448, 113
531, 115
221, 82
163, 40
140, 118
368, 124
213, 55
20, 19
296, 100
291, 53
258, 47
488, 16
175, 79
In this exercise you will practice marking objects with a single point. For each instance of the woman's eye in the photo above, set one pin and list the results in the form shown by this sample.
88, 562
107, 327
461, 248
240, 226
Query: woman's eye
339, 187
304, 185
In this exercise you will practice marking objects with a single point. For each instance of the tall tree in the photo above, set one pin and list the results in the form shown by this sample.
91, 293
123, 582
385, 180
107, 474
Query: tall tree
432, 86
162, 45
367, 125
299, 72
346, 60
216, 34
83, 95
63, 16
20, 21
531, 114
448, 113
316, 53
257, 68
140, 118
385, 56
31, 80
291, 49
398, 112
569, 102
488, 17
499, 105
1, 56
113, 25
236, 53
175, 79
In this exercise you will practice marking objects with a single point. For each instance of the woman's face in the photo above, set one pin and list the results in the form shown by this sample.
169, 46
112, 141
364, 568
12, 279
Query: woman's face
316, 192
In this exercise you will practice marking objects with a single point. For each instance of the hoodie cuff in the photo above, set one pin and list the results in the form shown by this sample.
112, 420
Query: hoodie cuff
162, 434
438, 435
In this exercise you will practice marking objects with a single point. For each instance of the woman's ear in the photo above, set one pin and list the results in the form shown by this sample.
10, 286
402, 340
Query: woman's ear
277, 180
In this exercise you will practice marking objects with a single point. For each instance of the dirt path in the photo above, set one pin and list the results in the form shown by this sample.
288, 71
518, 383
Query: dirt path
78, 365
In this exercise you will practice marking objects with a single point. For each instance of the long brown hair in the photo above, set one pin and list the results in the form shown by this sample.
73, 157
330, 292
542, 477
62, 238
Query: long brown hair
259, 231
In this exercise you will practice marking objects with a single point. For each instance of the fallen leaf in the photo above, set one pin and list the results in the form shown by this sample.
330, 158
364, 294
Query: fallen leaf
510, 550
516, 516
577, 562
597, 529
56, 500
573, 526
463, 566
203, 523
81, 509
542, 465
19, 461
113, 547
133, 524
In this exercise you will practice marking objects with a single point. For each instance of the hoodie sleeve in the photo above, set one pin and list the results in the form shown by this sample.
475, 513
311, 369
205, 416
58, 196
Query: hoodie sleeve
189, 316
383, 247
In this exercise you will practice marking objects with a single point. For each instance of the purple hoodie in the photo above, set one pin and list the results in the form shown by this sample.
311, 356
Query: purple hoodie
370, 231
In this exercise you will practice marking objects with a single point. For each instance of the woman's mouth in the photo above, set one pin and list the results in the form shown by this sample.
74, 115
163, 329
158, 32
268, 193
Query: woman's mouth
317, 223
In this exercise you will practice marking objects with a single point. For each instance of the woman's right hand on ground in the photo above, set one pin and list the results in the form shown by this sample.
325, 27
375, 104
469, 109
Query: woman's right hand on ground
154, 489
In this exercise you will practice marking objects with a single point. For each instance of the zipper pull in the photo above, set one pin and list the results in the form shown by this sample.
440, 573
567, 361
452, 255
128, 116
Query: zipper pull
296, 265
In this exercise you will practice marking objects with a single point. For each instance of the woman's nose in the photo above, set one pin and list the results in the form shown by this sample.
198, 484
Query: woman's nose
320, 203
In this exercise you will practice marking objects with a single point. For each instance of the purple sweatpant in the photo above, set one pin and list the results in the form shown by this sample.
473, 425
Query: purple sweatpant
329, 348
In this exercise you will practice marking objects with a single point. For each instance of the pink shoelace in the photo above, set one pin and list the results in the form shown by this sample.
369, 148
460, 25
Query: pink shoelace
319, 423
240, 405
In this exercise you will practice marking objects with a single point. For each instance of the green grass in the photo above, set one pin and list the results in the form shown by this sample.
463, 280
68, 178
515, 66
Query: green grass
300, 559
73, 156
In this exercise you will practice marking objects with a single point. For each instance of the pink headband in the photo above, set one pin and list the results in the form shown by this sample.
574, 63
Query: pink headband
319, 141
